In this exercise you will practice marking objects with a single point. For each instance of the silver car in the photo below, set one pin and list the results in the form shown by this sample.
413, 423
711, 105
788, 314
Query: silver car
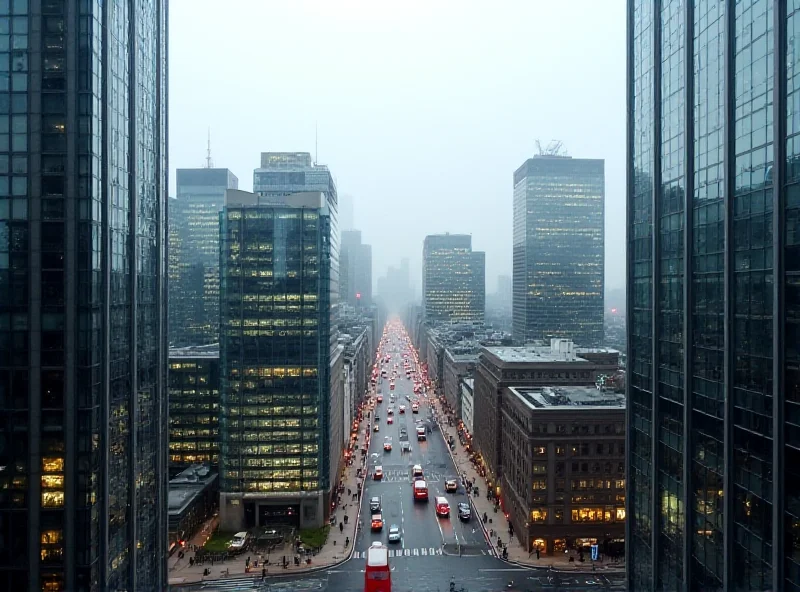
394, 533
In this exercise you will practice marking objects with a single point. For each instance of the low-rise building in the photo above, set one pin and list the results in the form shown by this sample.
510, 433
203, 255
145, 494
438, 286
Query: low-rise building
193, 406
193, 498
465, 338
458, 363
539, 364
563, 479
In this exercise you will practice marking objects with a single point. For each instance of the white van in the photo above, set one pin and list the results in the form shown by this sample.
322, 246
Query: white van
238, 541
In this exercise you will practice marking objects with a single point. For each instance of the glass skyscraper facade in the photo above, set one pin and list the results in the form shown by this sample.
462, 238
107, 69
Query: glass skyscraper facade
83, 336
355, 270
281, 364
713, 301
193, 406
453, 279
194, 251
559, 249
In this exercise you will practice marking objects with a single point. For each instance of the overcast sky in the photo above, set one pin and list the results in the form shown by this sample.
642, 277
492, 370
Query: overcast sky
424, 108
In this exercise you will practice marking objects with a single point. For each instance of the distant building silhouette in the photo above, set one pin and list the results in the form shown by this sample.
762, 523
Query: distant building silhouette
453, 279
194, 255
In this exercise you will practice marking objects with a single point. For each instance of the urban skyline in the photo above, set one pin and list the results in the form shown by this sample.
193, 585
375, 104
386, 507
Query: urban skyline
198, 380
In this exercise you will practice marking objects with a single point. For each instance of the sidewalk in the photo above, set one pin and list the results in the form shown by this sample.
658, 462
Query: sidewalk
332, 552
497, 522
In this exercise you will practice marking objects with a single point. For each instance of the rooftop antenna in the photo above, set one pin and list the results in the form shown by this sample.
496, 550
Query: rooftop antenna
316, 143
209, 162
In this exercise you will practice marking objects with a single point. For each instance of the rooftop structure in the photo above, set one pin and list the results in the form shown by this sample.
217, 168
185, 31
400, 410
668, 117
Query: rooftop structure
566, 397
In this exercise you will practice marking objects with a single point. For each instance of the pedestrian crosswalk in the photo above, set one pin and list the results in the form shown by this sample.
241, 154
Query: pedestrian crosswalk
416, 552
404, 476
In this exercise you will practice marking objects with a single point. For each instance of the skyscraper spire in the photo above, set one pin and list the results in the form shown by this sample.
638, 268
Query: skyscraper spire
209, 162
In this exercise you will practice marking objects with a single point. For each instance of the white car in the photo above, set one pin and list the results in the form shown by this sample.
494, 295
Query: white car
402, 408
394, 533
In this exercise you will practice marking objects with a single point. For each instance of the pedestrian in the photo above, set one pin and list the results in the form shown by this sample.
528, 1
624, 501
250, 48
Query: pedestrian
537, 553
341, 526
263, 574
349, 491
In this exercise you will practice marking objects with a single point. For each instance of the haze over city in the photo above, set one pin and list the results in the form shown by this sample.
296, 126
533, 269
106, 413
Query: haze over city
346, 295
422, 112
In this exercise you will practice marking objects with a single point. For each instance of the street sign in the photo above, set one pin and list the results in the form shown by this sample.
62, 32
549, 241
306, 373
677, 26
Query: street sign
595, 552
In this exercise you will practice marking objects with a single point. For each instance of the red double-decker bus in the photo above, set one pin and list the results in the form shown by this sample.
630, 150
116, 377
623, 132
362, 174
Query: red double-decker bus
377, 577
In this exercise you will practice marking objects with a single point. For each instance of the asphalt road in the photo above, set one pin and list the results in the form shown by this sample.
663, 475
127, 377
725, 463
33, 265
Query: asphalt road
423, 534
432, 550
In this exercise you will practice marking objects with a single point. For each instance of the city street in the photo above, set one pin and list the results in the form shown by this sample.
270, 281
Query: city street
422, 533
431, 551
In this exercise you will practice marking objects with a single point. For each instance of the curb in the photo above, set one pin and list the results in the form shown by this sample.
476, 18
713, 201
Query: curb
310, 569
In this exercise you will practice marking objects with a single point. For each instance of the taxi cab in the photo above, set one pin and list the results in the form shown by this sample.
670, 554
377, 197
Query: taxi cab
378, 474
387, 444
390, 419
402, 408
442, 507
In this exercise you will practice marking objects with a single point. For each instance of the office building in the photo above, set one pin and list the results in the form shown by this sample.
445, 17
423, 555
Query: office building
355, 270
193, 407
558, 257
194, 251
563, 483
394, 288
554, 364
713, 308
83, 190
453, 279
281, 364
346, 212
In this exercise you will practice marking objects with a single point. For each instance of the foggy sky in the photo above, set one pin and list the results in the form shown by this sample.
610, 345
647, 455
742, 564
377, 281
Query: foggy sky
424, 109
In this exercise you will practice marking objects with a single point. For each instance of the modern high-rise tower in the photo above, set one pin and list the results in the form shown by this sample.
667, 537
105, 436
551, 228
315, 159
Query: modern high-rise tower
355, 270
559, 252
453, 279
194, 251
83, 335
713, 302
281, 366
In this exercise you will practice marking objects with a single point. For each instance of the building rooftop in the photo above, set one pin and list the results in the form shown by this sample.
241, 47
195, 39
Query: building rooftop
188, 484
567, 397
195, 351
596, 350
531, 354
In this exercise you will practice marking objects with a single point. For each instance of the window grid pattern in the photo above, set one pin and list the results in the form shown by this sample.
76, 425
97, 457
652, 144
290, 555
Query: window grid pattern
274, 380
708, 289
640, 249
671, 203
563, 216
791, 411
752, 294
